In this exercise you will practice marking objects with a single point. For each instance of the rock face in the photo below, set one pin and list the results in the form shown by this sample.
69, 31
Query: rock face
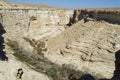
34, 21
109, 15
33, 24
89, 46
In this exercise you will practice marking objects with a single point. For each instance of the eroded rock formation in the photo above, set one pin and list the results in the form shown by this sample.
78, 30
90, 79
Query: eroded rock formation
89, 46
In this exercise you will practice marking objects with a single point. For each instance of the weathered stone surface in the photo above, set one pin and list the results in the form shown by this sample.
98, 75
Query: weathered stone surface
46, 24
9, 70
109, 15
90, 46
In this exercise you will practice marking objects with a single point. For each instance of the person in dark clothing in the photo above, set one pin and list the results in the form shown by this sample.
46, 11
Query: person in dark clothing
20, 73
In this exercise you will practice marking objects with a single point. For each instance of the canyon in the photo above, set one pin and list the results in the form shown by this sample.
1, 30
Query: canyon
89, 47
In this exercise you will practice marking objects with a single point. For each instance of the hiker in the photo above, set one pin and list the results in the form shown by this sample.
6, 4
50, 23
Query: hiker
20, 73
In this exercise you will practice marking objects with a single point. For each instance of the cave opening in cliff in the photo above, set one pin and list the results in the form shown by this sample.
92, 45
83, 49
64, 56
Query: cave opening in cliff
2, 52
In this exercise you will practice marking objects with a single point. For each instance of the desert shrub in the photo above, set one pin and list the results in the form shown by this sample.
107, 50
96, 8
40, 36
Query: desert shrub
13, 45
38, 45
52, 72
21, 54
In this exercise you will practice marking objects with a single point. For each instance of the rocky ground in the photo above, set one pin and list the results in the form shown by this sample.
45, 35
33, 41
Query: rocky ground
9, 70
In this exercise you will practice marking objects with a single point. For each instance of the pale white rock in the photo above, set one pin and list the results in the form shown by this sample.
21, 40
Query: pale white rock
9, 70
90, 48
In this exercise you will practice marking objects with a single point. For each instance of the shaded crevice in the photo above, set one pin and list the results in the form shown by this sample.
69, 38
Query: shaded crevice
72, 19
77, 15
96, 15
116, 75
3, 56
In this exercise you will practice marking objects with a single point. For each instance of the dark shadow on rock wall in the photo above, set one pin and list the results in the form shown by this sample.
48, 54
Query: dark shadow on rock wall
84, 77
87, 77
78, 15
116, 75
3, 56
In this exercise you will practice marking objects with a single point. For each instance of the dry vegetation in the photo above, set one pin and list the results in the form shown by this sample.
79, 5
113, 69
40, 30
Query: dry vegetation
41, 64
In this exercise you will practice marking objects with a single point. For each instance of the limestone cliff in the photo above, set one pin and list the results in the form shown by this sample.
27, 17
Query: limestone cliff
109, 15
89, 46
33, 23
